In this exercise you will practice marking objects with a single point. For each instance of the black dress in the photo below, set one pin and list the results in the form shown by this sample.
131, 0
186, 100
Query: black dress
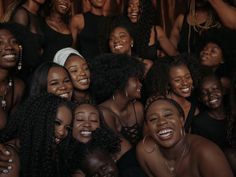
88, 39
54, 41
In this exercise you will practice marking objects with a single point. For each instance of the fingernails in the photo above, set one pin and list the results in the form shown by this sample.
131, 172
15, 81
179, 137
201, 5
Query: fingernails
5, 171
9, 167
10, 160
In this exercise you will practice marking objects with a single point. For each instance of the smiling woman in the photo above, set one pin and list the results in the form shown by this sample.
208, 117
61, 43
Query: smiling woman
169, 152
11, 88
52, 78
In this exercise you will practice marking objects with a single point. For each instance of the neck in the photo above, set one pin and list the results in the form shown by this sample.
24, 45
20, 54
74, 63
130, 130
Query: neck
120, 101
179, 99
56, 17
32, 6
178, 150
79, 95
218, 113
4, 75
96, 11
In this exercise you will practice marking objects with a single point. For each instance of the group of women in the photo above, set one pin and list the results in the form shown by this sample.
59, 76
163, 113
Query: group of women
105, 93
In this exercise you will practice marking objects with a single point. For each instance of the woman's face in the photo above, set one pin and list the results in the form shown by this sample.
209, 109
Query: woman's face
211, 93
85, 122
62, 6
9, 49
211, 55
120, 41
165, 123
181, 82
62, 123
59, 83
133, 10
79, 72
100, 165
133, 88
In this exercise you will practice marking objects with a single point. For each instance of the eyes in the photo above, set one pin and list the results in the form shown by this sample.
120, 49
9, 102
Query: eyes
78, 69
12, 42
57, 82
181, 79
156, 117
58, 123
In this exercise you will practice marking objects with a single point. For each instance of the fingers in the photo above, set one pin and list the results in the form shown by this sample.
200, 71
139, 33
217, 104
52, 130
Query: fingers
5, 159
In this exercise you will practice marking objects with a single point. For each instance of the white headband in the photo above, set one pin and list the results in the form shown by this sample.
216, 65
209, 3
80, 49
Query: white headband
62, 55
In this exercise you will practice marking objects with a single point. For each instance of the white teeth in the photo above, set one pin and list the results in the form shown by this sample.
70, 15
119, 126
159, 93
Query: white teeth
118, 46
57, 140
83, 81
63, 6
86, 133
165, 133
186, 89
213, 101
65, 95
9, 56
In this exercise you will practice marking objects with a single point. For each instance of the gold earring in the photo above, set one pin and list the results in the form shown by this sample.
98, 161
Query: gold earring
20, 58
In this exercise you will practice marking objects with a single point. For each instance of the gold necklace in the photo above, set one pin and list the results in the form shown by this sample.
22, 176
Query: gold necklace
5, 91
173, 169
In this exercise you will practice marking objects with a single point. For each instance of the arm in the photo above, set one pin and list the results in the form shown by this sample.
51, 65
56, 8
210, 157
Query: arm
76, 26
20, 17
166, 45
226, 12
175, 32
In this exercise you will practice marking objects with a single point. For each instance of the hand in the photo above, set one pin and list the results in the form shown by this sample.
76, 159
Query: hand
5, 159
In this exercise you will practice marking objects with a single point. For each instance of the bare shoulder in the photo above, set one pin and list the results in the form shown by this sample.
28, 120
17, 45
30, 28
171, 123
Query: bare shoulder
19, 87
208, 156
139, 111
78, 21
21, 16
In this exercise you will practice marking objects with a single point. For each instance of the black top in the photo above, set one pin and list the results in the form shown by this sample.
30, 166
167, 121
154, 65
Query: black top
54, 42
128, 165
189, 119
88, 38
132, 133
210, 128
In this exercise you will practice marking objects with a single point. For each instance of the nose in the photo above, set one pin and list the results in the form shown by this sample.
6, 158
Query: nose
87, 123
8, 46
161, 121
61, 131
82, 72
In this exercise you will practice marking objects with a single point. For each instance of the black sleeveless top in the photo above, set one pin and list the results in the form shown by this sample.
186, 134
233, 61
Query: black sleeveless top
190, 117
132, 133
88, 38
54, 41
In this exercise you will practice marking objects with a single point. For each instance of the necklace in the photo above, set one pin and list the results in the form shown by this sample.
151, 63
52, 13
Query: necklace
5, 90
173, 169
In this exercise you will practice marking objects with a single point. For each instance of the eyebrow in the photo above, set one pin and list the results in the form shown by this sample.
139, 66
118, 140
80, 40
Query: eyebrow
84, 113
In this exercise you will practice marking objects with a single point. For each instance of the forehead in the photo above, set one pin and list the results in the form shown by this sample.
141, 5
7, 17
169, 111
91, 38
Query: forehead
4, 32
119, 29
86, 108
56, 70
161, 105
212, 45
179, 69
74, 59
209, 81
63, 112
133, 1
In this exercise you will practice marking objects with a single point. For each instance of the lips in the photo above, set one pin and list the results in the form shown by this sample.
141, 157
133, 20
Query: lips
65, 95
165, 134
86, 133
58, 140
84, 81
9, 57
117, 47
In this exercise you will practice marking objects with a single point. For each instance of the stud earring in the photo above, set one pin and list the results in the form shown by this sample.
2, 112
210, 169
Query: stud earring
20, 58
132, 44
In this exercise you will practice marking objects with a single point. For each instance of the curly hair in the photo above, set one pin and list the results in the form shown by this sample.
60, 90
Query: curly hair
39, 78
110, 72
143, 27
34, 125
157, 80
154, 98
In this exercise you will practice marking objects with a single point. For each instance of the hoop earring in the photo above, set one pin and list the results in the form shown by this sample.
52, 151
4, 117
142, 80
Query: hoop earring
126, 93
113, 97
182, 132
153, 149
20, 58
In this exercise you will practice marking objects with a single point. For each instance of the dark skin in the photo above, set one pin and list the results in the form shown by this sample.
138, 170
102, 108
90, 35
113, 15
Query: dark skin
9, 52
168, 147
